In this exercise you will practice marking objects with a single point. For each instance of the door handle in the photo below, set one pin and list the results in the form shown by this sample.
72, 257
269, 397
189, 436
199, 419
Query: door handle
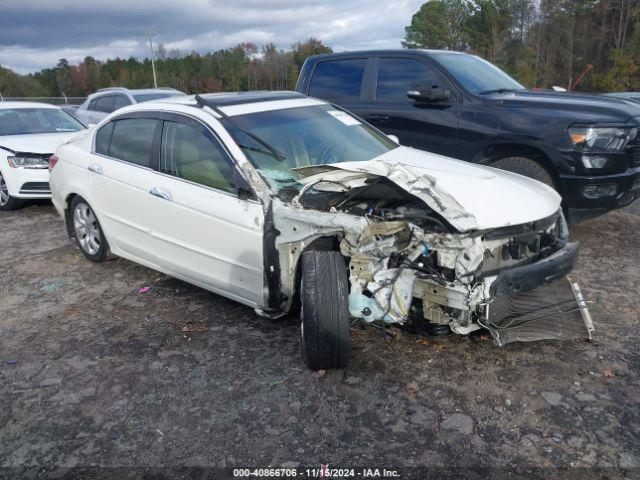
161, 192
95, 168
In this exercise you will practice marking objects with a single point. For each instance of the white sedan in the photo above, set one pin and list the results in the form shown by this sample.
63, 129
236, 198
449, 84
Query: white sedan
277, 200
29, 134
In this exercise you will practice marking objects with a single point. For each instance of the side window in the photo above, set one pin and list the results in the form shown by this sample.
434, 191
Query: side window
120, 102
338, 80
103, 138
105, 104
192, 154
395, 75
132, 140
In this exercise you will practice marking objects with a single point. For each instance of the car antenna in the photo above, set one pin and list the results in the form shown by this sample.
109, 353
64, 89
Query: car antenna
204, 103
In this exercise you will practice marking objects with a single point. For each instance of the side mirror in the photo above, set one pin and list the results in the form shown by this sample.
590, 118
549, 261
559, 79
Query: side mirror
426, 93
394, 138
243, 189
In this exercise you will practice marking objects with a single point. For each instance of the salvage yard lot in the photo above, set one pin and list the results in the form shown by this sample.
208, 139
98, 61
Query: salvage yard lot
95, 373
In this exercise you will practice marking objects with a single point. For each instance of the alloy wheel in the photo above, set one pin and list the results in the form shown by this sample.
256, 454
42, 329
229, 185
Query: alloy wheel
4, 191
86, 228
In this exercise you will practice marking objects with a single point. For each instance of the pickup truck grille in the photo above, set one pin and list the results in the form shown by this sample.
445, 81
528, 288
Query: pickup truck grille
634, 151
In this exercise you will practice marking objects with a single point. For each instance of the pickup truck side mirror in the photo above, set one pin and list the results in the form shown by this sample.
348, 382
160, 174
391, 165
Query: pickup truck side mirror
425, 93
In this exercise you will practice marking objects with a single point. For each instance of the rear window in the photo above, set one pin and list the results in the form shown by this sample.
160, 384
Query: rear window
132, 140
338, 80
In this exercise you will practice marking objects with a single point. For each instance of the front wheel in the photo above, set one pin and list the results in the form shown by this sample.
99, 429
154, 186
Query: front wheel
324, 312
7, 202
88, 232
525, 166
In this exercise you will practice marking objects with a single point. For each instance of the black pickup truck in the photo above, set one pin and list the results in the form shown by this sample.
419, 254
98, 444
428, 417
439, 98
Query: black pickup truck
459, 105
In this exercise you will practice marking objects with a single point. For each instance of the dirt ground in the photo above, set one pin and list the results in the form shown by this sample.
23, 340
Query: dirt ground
93, 373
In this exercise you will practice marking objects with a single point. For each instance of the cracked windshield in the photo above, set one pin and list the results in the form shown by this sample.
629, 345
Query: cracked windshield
283, 140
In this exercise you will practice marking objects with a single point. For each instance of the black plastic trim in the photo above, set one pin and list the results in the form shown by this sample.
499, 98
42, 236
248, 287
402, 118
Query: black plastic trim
528, 277
271, 261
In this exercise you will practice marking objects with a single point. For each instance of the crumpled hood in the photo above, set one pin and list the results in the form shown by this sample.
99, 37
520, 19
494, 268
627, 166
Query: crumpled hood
36, 142
470, 197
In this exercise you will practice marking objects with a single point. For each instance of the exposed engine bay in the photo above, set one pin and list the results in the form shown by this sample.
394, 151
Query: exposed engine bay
410, 264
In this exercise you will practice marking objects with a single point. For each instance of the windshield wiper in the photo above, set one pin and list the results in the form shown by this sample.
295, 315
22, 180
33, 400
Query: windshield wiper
273, 150
261, 150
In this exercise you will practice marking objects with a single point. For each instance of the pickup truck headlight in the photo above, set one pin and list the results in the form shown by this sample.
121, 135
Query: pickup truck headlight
28, 162
601, 139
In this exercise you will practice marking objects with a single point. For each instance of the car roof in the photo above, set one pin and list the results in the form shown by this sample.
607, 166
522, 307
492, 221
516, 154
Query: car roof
225, 99
15, 104
134, 91
231, 103
394, 51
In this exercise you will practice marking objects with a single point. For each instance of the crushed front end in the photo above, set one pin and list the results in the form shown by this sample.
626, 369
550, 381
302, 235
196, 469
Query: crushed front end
410, 264
401, 271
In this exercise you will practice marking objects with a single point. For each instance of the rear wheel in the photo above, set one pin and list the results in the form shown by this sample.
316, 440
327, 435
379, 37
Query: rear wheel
7, 202
88, 231
324, 312
527, 167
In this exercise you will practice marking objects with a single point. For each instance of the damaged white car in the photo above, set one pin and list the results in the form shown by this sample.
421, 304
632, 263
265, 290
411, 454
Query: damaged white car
281, 201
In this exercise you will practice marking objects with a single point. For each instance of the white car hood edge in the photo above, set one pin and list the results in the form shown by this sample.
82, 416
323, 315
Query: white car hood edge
36, 142
469, 197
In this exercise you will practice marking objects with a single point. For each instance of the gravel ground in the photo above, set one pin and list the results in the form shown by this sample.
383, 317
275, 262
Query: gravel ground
93, 373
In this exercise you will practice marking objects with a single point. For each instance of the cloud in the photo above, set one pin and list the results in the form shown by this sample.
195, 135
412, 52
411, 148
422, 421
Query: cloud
35, 34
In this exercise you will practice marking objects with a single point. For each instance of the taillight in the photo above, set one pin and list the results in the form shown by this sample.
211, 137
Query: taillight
52, 161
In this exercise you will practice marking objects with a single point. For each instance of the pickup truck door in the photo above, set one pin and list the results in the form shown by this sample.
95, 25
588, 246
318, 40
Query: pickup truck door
428, 126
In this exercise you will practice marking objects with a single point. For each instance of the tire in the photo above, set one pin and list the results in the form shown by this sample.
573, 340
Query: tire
527, 167
324, 312
87, 231
7, 202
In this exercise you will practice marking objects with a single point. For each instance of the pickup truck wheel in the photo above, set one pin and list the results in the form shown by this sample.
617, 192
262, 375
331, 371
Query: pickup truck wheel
88, 232
7, 202
527, 167
324, 312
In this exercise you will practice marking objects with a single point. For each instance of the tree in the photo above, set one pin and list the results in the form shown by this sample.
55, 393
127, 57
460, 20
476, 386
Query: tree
439, 24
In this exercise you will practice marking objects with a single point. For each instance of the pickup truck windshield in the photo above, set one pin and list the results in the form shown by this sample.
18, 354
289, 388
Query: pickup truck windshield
475, 74
304, 136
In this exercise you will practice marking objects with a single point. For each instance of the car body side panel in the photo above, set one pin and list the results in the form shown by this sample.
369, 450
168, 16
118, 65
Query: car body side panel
208, 236
120, 196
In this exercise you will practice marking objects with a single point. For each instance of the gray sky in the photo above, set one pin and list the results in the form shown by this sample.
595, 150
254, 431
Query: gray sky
35, 34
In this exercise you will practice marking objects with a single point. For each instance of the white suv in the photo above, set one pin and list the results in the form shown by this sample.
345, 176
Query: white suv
107, 100
267, 198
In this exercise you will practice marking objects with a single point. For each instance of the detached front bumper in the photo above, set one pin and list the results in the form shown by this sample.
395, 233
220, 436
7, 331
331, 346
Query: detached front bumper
543, 272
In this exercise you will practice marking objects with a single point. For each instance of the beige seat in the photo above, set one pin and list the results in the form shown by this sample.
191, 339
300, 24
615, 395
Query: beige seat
190, 155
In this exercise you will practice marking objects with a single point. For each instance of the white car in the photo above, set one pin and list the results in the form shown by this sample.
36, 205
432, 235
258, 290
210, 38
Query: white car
107, 100
29, 134
270, 198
